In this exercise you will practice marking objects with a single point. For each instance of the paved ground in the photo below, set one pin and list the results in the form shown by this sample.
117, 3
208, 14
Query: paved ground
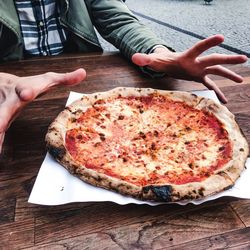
181, 23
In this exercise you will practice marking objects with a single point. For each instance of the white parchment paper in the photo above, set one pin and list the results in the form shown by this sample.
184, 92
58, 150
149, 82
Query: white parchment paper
55, 186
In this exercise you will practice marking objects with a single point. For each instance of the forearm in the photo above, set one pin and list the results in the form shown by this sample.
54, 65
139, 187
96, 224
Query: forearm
118, 25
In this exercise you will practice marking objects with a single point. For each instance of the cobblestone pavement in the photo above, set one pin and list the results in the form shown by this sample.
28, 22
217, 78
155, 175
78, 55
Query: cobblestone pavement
191, 19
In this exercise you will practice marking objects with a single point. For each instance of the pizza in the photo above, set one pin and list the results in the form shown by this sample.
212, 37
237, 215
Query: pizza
150, 144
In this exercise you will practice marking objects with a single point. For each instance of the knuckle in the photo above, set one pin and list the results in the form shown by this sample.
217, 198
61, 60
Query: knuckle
50, 76
215, 55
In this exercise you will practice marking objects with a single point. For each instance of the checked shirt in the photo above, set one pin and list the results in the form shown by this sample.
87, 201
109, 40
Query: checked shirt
41, 30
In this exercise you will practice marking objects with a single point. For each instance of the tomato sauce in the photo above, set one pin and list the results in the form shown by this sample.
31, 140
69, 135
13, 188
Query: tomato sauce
98, 152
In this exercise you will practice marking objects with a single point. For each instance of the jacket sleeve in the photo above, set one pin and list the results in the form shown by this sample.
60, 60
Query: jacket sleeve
116, 23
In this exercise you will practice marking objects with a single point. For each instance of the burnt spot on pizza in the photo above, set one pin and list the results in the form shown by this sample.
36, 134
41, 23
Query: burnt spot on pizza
201, 191
76, 111
225, 176
221, 148
79, 137
194, 95
162, 193
102, 136
124, 159
69, 109
98, 102
187, 197
213, 107
142, 135
156, 133
153, 146
57, 152
52, 130
107, 115
121, 117
241, 149
203, 157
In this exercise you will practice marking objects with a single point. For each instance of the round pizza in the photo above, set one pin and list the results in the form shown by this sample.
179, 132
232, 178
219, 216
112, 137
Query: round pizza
150, 144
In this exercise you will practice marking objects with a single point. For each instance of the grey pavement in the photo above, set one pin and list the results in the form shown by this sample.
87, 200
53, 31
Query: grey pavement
181, 23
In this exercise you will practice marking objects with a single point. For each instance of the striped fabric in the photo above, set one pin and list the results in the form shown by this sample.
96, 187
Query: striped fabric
40, 27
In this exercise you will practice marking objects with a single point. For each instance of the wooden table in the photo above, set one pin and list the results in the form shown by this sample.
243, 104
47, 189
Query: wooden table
216, 224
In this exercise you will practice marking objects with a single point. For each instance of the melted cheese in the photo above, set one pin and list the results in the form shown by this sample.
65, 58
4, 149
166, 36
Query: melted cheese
148, 141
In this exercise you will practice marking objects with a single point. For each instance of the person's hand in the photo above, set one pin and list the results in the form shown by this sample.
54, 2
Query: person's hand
190, 65
16, 92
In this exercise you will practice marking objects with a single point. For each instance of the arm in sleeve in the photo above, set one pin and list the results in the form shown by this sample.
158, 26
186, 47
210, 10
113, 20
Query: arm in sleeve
116, 23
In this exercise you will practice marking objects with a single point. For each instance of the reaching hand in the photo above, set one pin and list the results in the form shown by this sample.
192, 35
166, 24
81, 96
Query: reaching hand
16, 92
190, 65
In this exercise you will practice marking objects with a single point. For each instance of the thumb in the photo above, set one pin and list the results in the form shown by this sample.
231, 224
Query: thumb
141, 59
72, 78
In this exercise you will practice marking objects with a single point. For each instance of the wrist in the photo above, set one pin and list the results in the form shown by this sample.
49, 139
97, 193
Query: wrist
162, 49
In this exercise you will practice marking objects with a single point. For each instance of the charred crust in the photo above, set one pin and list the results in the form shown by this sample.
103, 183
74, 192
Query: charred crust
75, 112
52, 129
57, 152
213, 107
228, 187
69, 109
162, 193
201, 191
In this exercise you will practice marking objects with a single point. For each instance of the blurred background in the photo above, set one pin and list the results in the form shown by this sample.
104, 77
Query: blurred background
181, 23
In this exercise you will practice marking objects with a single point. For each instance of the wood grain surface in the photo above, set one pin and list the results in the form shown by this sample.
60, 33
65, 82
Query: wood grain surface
220, 224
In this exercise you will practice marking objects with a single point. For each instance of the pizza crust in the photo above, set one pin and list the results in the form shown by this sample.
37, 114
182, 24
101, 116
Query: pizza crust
221, 180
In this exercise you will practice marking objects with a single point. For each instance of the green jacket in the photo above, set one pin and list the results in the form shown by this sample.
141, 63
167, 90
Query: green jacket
111, 18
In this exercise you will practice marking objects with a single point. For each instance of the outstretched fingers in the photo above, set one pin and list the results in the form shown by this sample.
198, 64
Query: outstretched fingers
212, 86
204, 45
215, 59
224, 72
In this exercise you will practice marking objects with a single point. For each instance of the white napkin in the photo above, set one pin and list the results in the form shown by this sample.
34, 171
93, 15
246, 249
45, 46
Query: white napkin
55, 186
